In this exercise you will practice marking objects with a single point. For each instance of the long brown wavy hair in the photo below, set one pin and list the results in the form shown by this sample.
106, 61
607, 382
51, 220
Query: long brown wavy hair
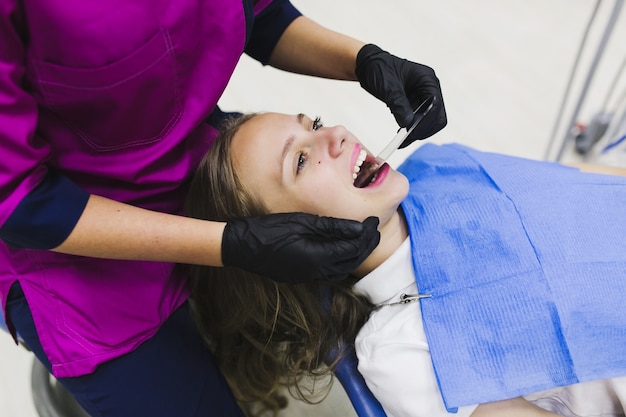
266, 335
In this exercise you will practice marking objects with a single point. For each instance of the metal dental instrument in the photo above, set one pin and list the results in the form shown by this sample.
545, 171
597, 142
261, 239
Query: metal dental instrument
404, 299
368, 169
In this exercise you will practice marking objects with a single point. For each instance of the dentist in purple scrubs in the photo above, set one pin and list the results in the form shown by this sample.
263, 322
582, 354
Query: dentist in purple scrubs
106, 108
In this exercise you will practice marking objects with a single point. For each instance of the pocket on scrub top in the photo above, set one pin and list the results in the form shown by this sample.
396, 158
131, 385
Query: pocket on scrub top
130, 102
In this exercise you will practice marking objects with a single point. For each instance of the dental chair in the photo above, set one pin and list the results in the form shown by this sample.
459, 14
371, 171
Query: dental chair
51, 399
362, 399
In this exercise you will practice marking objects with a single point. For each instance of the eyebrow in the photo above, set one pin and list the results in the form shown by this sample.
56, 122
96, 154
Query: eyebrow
287, 146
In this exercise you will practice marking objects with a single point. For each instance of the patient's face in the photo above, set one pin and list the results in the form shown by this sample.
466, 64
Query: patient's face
292, 166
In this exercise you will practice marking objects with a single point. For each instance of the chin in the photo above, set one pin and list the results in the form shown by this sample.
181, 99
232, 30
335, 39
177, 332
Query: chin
400, 187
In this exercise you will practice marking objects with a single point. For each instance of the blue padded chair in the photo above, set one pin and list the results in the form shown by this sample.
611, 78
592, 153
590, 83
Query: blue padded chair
362, 399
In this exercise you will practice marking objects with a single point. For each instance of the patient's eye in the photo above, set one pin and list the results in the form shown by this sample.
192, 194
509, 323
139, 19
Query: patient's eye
302, 160
317, 123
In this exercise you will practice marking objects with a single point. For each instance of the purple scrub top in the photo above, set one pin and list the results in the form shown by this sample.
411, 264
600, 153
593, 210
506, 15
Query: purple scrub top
108, 98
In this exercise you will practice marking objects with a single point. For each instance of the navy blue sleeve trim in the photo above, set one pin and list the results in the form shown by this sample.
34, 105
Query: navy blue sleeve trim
46, 216
268, 27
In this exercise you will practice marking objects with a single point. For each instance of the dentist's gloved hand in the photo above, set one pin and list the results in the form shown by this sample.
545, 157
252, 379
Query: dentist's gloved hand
402, 85
298, 247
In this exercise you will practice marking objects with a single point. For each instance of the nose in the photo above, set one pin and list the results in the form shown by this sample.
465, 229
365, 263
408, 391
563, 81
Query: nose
336, 138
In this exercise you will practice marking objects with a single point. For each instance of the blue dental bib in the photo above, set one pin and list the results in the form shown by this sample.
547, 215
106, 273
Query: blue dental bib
526, 264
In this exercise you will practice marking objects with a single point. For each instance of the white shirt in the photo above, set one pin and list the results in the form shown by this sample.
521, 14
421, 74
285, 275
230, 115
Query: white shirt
395, 361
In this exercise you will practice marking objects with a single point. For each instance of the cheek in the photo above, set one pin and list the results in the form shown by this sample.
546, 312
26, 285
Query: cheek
319, 199
264, 191
315, 200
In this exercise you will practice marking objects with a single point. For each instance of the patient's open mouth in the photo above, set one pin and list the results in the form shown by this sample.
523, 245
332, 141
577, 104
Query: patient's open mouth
365, 170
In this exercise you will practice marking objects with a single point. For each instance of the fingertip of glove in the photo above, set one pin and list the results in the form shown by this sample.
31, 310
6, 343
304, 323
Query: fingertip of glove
368, 246
371, 227
371, 222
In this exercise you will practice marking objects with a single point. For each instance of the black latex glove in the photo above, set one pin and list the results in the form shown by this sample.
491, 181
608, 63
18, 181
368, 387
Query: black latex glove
402, 85
298, 247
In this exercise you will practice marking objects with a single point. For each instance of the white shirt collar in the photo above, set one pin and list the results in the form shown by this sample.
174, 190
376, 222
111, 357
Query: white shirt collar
396, 272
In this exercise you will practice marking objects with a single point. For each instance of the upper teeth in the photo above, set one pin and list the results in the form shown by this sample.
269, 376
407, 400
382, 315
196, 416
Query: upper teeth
359, 161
